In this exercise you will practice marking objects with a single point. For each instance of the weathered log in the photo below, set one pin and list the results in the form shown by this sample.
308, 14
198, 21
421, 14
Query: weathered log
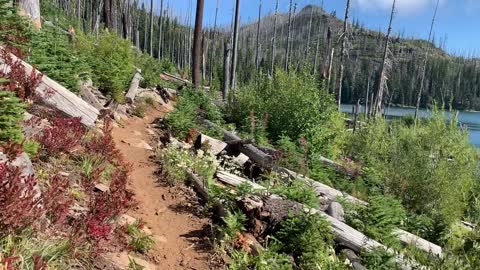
133, 89
352, 173
335, 210
55, 95
215, 146
266, 161
354, 259
249, 150
89, 97
405, 237
171, 77
345, 235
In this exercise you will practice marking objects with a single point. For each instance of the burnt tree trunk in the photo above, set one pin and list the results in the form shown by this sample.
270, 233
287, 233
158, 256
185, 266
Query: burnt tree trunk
343, 54
197, 46
31, 9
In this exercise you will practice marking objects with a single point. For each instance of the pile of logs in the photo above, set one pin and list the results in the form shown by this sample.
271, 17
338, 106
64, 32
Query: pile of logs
268, 213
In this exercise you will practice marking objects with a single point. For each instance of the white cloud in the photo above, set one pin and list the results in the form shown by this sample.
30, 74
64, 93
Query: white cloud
404, 7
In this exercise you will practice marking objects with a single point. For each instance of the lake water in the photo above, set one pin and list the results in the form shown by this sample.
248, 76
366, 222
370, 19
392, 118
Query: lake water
470, 120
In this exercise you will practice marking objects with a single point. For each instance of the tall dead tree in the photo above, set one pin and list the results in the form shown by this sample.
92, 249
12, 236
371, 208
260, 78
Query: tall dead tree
425, 61
287, 49
212, 58
151, 29
31, 9
386, 66
307, 47
160, 31
343, 53
257, 52
274, 38
226, 70
317, 49
233, 82
197, 46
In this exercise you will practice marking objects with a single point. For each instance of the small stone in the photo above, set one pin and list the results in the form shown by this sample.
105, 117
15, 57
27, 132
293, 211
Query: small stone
163, 197
137, 133
101, 187
64, 174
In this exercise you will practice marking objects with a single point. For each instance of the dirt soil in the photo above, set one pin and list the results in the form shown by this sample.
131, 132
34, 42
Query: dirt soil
181, 234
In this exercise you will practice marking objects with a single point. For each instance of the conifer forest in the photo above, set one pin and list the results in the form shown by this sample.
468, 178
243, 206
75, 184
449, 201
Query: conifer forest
239, 135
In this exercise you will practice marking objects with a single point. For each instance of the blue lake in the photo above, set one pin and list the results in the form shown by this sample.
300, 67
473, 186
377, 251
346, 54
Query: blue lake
470, 120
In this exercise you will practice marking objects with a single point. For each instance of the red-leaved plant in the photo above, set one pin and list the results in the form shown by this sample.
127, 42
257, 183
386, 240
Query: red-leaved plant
19, 81
62, 136
103, 144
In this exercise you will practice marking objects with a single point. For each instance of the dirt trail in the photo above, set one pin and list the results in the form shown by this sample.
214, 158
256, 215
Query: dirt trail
181, 240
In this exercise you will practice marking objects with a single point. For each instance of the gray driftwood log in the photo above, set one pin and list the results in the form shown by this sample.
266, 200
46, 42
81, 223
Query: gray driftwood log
55, 95
134, 88
345, 235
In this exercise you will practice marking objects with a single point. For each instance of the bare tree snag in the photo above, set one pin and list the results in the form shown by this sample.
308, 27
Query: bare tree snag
233, 80
343, 53
287, 49
133, 89
31, 9
197, 46
386, 66
425, 61
274, 38
257, 50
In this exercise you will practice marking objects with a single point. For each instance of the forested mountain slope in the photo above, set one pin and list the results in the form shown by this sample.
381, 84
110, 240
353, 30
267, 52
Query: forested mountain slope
449, 79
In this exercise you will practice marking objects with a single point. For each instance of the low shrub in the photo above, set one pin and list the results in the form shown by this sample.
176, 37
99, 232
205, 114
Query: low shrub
140, 109
139, 240
63, 135
308, 238
11, 114
111, 60
294, 190
430, 167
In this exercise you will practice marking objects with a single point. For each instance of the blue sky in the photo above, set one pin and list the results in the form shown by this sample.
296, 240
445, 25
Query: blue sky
458, 20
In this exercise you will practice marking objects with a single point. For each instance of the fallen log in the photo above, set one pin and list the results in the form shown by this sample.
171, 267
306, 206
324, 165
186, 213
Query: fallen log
345, 235
352, 173
55, 95
266, 162
353, 258
249, 150
89, 97
133, 89
171, 77
214, 145
405, 237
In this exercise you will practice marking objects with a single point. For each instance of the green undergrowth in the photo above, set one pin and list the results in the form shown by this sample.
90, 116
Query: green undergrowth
190, 108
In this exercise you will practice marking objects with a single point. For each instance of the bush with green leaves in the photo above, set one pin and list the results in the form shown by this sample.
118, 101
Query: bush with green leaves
177, 162
294, 106
378, 219
111, 59
152, 68
309, 239
139, 240
54, 55
190, 106
430, 168
11, 114
15, 31
294, 190
266, 260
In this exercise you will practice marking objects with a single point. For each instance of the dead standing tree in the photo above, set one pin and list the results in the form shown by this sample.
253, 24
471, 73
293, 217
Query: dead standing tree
287, 49
233, 82
197, 46
274, 38
257, 52
343, 53
385, 68
425, 61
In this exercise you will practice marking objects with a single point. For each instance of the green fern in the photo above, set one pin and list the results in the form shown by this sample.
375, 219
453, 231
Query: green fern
11, 113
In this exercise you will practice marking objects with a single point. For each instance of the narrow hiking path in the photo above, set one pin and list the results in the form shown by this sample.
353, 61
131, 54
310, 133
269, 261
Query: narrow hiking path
171, 213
